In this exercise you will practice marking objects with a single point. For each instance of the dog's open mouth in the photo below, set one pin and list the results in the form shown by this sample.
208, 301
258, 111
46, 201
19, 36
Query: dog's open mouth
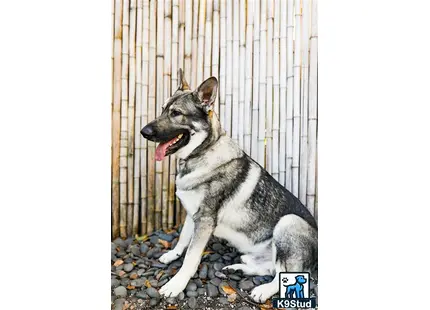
167, 148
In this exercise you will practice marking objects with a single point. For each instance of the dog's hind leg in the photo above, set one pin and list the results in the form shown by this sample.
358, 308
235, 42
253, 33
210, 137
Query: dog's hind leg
294, 248
183, 242
259, 265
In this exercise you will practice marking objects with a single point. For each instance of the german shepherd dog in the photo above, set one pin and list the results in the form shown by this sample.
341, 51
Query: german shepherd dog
227, 194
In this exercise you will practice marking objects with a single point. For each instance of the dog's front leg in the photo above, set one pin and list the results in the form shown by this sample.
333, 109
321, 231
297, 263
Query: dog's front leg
184, 241
203, 228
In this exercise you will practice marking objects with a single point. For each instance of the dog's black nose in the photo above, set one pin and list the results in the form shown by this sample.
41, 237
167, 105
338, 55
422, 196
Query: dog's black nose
147, 131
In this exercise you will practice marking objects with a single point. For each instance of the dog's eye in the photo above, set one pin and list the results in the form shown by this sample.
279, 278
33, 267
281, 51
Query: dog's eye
175, 113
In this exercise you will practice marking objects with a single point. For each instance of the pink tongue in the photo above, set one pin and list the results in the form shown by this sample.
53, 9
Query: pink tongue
160, 151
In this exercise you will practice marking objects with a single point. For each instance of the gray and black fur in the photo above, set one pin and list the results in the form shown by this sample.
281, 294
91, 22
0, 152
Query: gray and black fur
229, 195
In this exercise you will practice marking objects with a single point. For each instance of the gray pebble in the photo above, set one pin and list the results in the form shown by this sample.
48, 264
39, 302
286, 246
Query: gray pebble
158, 254
120, 242
174, 243
129, 241
218, 266
140, 272
211, 273
223, 300
151, 252
192, 302
120, 291
128, 260
219, 274
135, 250
142, 295
121, 253
162, 282
211, 290
120, 267
201, 291
198, 282
191, 286
154, 301
114, 283
192, 294
167, 237
144, 248
235, 277
217, 247
118, 303
159, 265
128, 267
181, 296
203, 272
214, 257
246, 285
216, 281
153, 283
227, 258
148, 273
138, 282
152, 292
125, 281
171, 300
154, 240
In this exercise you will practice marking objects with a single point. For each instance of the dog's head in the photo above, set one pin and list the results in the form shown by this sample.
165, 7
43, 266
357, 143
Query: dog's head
185, 120
300, 279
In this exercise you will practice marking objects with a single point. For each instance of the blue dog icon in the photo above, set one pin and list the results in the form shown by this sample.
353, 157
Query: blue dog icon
296, 288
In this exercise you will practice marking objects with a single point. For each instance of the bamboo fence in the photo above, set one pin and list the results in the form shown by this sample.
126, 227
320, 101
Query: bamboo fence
264, 54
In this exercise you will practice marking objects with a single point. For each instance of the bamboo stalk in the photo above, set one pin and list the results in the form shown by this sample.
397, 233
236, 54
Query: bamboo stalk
180, 15
276, 86
262, 88
166, 93
313, 113
304, 106
137, 118
188, 32
236, 118
151, 113
229, 69
255, 83
282, 90
290, 98
130, 122
223, 63
269, 87
194, 52
144, 120
124, 126
208, 41
215, 48
201, 42
248, 78
242, 59
296, 101
178, 24
116, 118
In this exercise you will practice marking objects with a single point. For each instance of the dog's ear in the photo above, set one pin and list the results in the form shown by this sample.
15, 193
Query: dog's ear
182, 83
207, 91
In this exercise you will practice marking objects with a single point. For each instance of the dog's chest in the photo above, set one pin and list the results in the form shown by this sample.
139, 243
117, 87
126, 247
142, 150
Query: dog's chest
190, 199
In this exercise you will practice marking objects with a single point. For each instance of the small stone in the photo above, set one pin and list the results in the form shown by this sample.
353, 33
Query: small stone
125, 281
211, 290
223, 300
151, 252
128, 260
128, 267
138, 282
120, 291
192, 294
211, 273
167, 237
135, 250
218, 266
153, 283
152, 292
220, 275
158, 254
214, 257
198, 282
216, 281
181, 296
162, 282
119, 242
191, 286
203, 272
235, 277
140, 272
246, 285
121, 253
201, 291
142, 295
119, 303
159, 265
174, 243
129, 241
144, 248
114, 283
171, 300
227, 258
192, 302
148, 273
154, 301
154, 239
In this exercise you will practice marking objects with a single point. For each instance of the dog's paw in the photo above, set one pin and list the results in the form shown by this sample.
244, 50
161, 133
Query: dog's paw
174, 286
235, 267
263, 292
168, 257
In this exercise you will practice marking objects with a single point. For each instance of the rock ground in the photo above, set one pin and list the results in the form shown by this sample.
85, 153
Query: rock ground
137, 275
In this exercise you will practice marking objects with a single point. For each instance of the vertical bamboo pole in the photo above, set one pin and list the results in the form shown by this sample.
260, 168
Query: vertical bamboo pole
269, 86
215, 48
166, 93
131, 102
276, 85
313, 111
201, 43
235, 81
296, 101
282, 91
144, 119
242, 58
208, 41
152, 80
248, 77
159, 98
304, 106
229, 69
194, 53
255, 82
262, 86
177, 57
116, 118
290, 78
124, 126
223, 63
137, 118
